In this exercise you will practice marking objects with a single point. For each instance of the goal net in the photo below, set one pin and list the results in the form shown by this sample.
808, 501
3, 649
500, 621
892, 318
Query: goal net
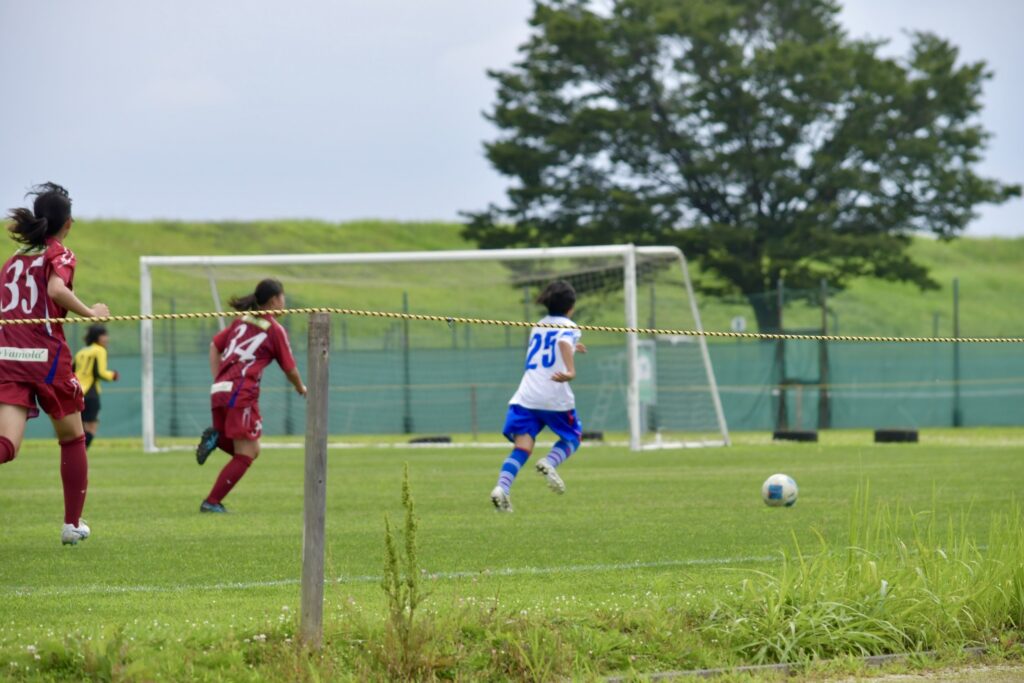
396, 376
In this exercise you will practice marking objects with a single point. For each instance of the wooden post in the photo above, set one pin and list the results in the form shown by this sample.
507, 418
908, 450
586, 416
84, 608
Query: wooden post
315, 495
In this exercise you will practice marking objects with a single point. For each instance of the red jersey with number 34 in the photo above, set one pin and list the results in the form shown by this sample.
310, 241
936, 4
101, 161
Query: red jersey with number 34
246, 347
34, 353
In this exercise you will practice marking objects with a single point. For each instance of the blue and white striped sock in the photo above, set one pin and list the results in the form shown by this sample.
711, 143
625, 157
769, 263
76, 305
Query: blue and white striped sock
560, 452
510, 468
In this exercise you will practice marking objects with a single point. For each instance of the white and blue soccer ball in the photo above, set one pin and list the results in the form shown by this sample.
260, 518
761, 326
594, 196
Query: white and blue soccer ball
779, 490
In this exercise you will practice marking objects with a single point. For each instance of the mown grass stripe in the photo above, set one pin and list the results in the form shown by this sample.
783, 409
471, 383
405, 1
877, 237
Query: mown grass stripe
96, 589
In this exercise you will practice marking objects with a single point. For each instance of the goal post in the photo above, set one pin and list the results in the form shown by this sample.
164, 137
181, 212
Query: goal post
665, 386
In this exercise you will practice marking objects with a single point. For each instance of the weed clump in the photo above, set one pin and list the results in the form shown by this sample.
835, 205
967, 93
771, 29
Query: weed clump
403, 651
888, 591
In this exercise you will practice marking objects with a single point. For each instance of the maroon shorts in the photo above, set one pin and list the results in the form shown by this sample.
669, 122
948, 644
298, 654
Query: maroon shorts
60, 399
239, 422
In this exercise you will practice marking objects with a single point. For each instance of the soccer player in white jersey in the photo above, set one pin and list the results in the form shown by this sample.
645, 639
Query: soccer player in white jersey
544, 398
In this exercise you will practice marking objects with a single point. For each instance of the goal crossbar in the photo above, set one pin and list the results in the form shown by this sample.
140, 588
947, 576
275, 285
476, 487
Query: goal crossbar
540, 253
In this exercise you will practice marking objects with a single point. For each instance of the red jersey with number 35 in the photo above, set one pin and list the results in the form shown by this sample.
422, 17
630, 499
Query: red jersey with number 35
246, 347
34, 353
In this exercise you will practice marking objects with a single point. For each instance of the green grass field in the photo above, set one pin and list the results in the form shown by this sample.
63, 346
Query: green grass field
624, 574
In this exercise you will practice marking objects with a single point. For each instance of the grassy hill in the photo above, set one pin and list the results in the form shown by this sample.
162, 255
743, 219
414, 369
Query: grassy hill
990, 273
109, 251
991, 285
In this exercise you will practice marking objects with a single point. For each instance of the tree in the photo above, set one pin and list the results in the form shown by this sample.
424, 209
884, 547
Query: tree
755, 134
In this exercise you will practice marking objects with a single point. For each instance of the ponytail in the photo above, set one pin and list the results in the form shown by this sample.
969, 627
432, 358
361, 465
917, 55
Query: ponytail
243, 303
51, 210
26, 228
265, 291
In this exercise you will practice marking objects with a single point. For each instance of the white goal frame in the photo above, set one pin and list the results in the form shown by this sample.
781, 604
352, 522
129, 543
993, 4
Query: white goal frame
627, 252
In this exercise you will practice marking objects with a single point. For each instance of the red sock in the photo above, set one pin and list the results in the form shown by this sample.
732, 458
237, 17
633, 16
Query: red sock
229, 476
7, 450
74, 472
227, 445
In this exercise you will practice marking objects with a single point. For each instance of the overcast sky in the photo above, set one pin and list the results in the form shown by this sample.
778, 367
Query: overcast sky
334, 109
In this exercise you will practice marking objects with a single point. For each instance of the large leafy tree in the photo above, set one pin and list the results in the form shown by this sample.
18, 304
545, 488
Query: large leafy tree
755, 134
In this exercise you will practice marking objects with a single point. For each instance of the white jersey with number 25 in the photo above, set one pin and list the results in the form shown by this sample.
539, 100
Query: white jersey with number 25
537, 390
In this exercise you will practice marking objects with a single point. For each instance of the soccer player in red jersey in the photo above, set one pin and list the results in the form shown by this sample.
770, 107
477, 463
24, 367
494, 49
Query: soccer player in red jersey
35, 360
238, 355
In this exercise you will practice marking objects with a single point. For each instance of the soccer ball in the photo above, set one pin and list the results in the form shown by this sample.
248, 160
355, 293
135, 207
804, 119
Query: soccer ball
779, 490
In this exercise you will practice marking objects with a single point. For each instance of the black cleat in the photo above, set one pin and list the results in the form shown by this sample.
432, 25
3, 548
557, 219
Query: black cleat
207, 506
207, 444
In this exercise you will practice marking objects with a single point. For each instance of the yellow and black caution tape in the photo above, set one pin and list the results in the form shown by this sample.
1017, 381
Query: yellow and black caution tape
453, 320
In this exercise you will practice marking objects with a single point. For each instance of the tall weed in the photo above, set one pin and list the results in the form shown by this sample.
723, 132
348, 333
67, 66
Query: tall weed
403, 652
888, 590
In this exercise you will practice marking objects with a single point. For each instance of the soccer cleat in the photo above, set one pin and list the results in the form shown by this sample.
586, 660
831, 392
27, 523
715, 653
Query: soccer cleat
555, 482
207, 506
207, 443
501, 500
71, 534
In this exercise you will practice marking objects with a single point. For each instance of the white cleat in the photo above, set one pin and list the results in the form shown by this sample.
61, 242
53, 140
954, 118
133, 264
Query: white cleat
555, 482
71, 534
501, 500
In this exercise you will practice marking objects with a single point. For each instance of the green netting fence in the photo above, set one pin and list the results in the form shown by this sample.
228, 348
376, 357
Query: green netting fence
869, 384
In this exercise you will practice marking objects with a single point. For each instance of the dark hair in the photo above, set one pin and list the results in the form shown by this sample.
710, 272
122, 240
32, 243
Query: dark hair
94, 333
265, 291
50, 211
559, 297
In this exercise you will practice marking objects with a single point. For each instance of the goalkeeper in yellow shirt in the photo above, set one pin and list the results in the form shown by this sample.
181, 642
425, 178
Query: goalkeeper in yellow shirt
91, 370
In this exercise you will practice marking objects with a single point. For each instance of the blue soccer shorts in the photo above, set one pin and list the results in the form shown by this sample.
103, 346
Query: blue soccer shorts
564, 423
